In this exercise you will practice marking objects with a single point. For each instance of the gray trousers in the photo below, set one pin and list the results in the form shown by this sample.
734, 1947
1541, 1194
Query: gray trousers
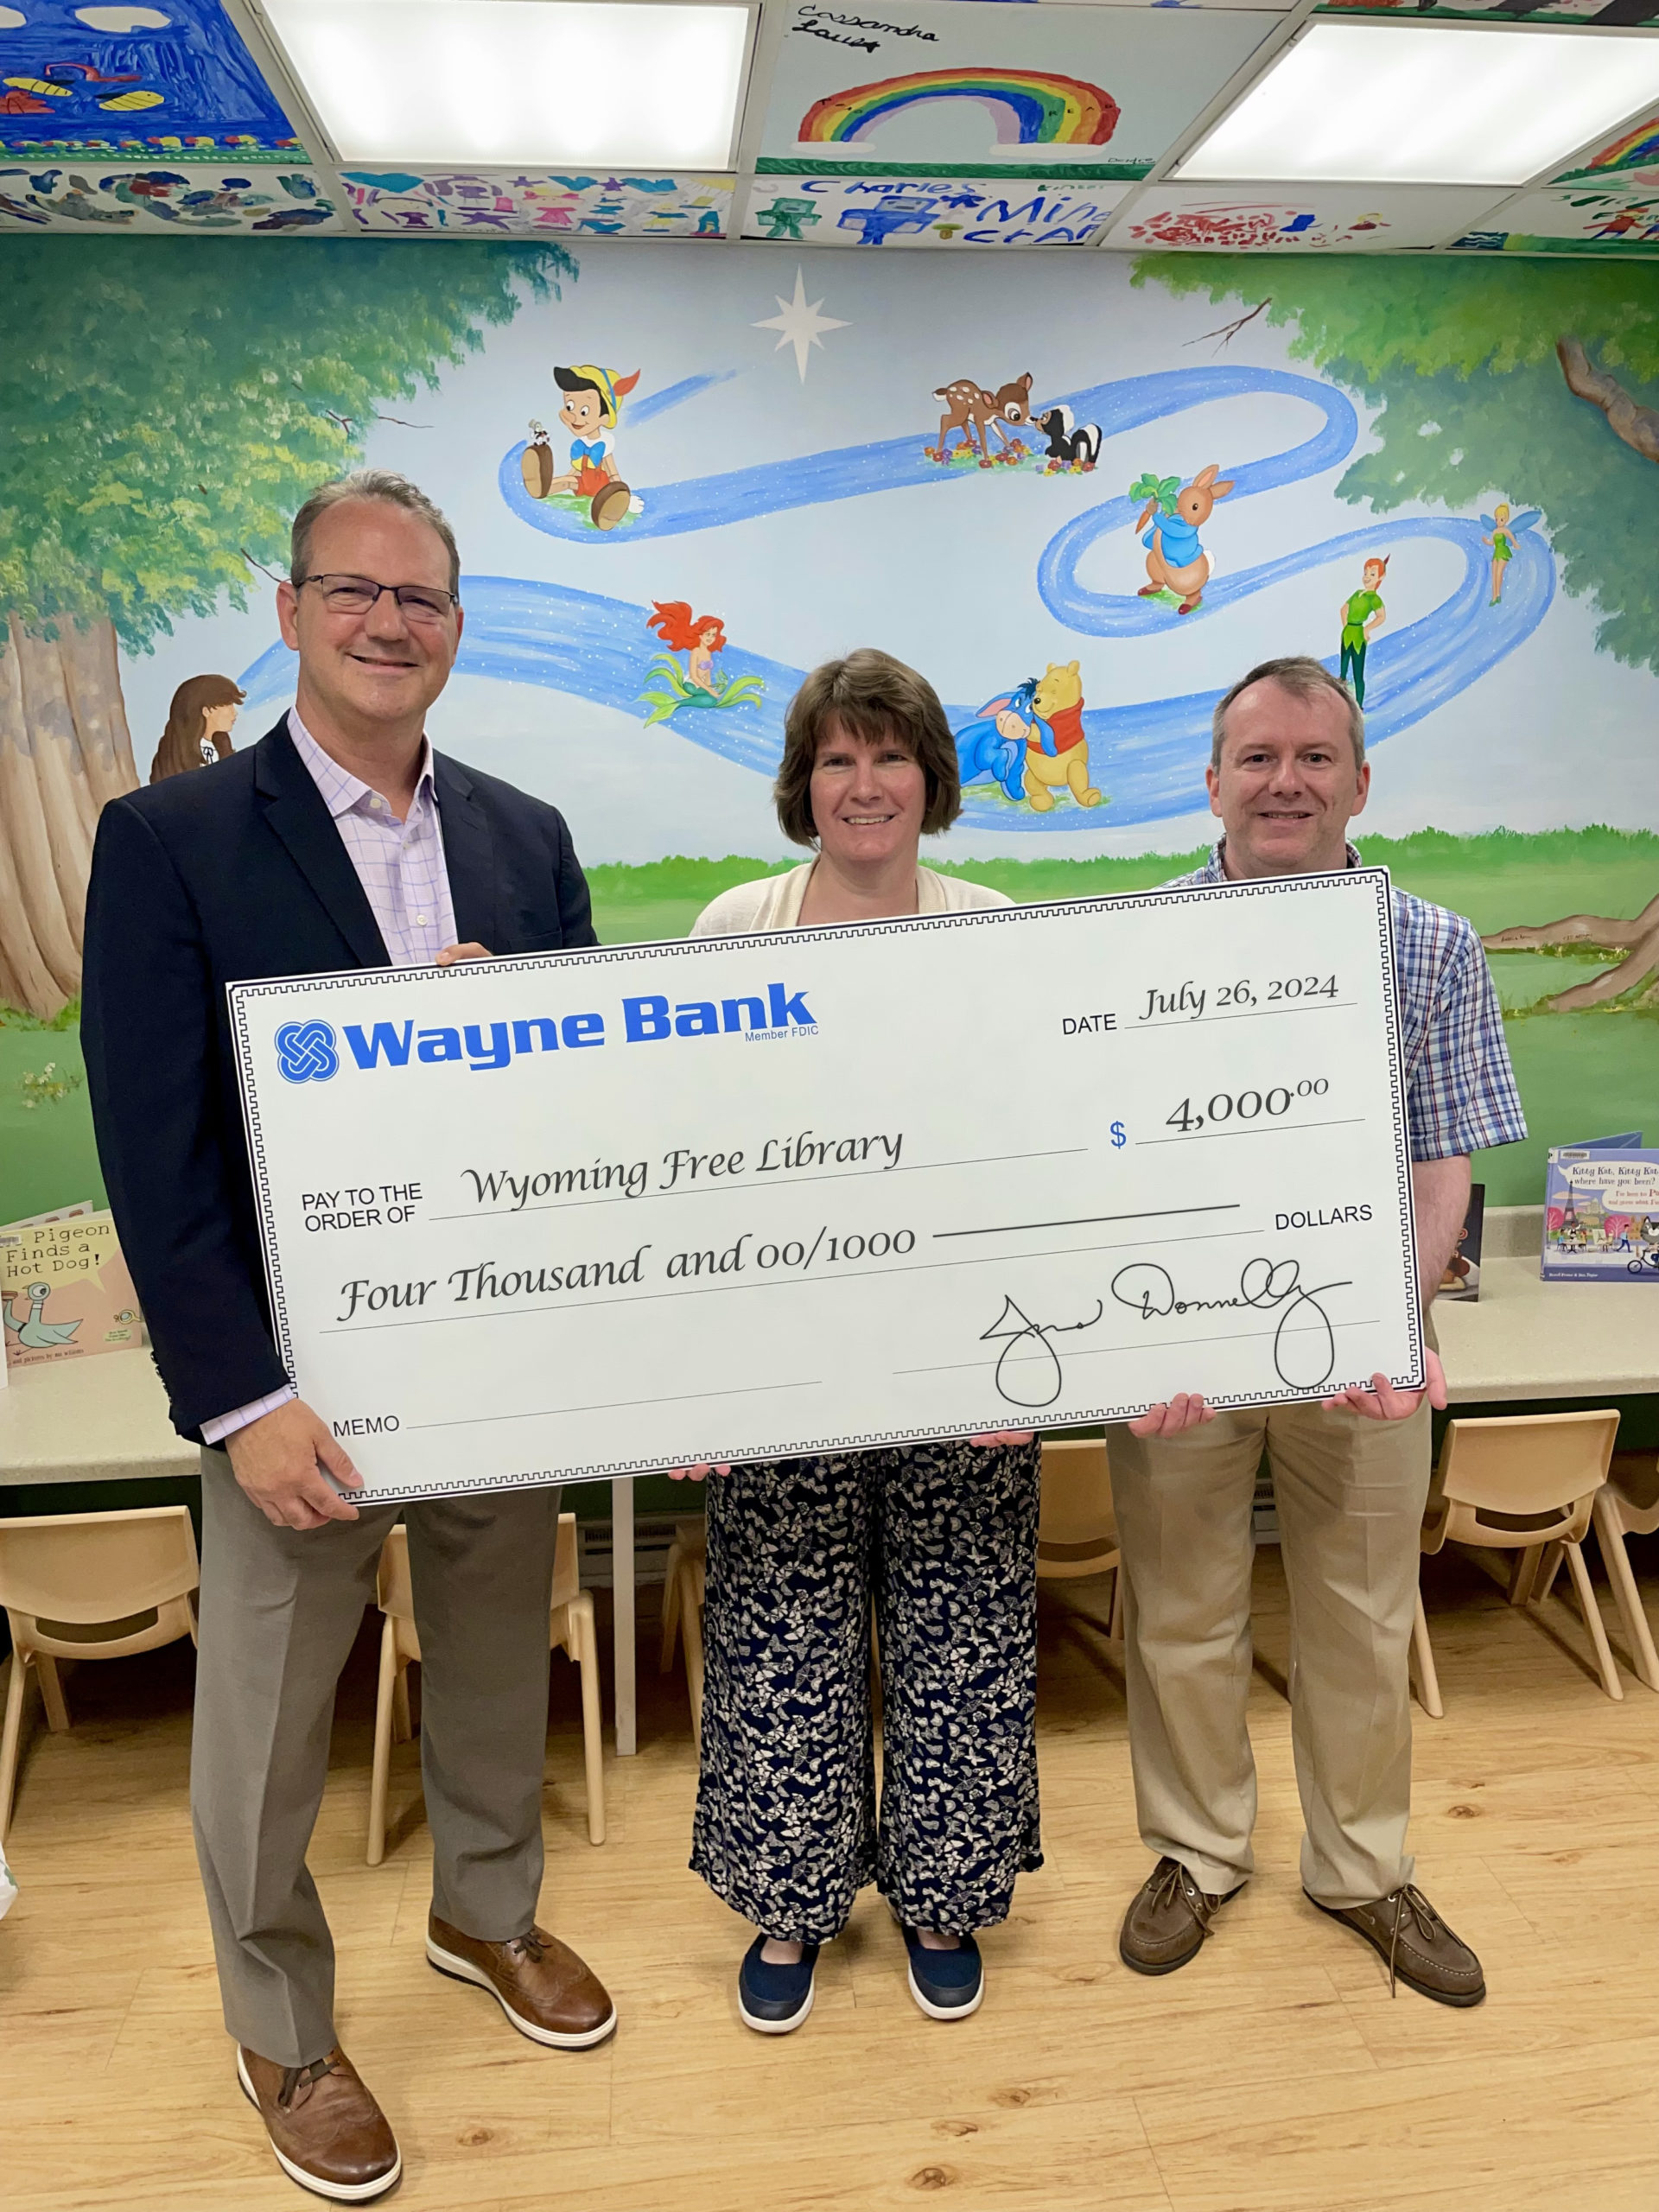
1350, 1495
280, 1609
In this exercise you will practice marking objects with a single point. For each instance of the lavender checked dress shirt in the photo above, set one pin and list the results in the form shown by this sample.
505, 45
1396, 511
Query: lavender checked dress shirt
401, 868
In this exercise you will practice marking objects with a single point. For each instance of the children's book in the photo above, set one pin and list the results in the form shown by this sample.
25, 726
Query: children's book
65, 1291
1462, 1278
1601, 1212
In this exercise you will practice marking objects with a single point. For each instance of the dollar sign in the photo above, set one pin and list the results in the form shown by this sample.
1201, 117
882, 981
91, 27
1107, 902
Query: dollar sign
1119, 1137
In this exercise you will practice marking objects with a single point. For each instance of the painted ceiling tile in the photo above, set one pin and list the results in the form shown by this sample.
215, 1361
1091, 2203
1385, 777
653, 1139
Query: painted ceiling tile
195, 198
929, 211
170, 81
1613, 13
1630, 158
1297, 217
1613, 220
954, 88
518, 203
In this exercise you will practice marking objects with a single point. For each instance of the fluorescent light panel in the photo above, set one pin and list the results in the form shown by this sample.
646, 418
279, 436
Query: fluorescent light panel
1398, 104
487, 83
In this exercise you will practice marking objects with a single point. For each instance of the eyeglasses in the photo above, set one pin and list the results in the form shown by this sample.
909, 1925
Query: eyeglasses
357, 594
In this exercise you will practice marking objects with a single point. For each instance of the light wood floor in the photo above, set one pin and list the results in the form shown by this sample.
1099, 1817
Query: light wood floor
1273, 2074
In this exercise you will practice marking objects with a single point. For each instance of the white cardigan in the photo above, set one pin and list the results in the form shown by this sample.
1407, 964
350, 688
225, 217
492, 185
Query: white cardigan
774, 902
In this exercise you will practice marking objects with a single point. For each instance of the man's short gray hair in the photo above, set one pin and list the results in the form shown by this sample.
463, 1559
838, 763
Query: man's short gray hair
393, 491
1304, 677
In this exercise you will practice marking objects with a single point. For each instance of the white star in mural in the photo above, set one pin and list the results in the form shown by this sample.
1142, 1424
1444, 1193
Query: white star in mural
800, 324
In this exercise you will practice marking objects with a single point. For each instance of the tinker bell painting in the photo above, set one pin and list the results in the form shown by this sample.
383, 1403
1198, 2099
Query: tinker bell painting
699, 684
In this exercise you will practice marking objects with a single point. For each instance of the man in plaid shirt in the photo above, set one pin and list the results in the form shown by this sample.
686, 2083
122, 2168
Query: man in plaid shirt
1287, 772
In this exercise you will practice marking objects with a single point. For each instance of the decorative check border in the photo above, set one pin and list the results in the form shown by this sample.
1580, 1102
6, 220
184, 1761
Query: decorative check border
1370, 882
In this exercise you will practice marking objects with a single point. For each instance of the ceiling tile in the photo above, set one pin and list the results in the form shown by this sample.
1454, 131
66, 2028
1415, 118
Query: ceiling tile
195, 197
168, 81
1631, 154
1297, 217
460, 203
1615, 220
929, 212
1618, 12
956, 88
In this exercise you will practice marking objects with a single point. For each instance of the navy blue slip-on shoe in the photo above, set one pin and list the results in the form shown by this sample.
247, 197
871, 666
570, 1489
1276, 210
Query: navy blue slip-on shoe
947, 1985
774, 1999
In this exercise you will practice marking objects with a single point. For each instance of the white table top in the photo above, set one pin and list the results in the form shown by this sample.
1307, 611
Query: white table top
90, 1421
1523, 1337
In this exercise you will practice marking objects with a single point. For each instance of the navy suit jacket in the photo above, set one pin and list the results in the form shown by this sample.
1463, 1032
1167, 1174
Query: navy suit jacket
225, 875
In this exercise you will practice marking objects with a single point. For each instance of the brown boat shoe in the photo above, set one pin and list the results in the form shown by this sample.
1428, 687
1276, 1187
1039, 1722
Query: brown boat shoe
327, 2132
1168, 1919
544, 1989
1420, 1950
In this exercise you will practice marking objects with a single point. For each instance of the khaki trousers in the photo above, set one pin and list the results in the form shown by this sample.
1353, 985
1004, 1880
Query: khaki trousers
280, 1609
1351, 1497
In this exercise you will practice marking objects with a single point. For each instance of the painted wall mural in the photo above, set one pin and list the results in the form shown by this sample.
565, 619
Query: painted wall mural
1081, 495
134, 82
948, 86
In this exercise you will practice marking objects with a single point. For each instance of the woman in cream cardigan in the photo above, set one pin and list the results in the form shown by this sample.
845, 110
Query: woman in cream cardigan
940, 1539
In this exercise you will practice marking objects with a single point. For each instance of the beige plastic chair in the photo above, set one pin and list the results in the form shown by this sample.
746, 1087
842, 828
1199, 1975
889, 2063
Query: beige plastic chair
684, 1589
1627, 1505
570, 1630
88, 1585
1077, 1530
1543, 1470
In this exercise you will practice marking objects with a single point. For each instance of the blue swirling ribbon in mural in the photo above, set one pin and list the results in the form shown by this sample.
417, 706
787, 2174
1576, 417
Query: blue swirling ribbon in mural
1149, 755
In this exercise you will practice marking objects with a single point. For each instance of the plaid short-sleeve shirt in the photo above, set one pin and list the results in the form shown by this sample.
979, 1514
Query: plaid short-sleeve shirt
1460, 1093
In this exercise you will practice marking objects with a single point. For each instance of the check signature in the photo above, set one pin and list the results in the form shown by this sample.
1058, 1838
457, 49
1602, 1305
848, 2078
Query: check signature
1017, 1329
1267, 1285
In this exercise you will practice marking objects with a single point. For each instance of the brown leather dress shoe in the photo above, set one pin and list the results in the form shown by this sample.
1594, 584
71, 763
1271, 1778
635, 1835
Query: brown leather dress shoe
1168, 1919
1420, 1950
329, 2133
540, 1984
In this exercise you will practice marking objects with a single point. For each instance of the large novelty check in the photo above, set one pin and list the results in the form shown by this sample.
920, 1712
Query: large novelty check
589, 1213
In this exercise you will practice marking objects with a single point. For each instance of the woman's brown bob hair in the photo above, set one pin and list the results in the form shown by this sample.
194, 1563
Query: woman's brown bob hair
181, 741
873, 696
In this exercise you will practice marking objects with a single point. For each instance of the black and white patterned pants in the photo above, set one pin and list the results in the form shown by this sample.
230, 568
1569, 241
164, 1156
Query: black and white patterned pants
943, 1537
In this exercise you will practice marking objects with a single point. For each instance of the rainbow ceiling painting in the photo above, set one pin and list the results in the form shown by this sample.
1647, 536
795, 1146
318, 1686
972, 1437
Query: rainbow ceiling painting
1638, 148
1031, 107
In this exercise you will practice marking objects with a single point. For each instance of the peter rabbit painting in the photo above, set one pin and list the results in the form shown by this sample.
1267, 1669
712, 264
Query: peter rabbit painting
1081, 492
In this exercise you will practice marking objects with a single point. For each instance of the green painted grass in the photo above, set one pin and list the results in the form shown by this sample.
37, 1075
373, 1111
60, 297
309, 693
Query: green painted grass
1580, 1075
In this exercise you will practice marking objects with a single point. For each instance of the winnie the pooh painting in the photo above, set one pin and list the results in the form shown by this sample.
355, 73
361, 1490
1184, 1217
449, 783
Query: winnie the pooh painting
1058, 701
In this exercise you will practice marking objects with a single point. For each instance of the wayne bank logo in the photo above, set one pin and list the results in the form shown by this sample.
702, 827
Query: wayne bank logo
310, 1051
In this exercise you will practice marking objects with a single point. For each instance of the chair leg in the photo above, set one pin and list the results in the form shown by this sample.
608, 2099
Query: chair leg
384, 1702
57, 1712
1591, 1613
1524, 1573
1544, 1580
691, 1630
11, 1740
1114, 1620
402, 1727
1643, 1657
592, 1723
670, 1609
1428, 1682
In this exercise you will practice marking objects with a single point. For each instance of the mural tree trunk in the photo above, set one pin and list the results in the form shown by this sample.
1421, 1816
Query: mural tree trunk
165, 413
1447, 437
63, 750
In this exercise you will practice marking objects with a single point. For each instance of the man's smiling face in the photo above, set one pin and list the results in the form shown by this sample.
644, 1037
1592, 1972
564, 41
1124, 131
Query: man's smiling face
1288, 785
378, 669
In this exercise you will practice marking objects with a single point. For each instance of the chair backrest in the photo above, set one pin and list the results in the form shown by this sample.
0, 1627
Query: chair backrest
1526, 1463
98, 1566
1076, 1532
395, 1595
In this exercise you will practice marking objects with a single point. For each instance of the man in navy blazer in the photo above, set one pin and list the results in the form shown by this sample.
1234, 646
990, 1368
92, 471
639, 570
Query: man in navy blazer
340, 841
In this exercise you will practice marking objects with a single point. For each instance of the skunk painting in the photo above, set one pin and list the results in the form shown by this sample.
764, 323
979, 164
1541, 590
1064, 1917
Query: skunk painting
1069, 447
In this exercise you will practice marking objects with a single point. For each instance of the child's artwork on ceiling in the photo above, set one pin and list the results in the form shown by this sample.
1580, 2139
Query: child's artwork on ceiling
950, 87
189, 198
1607, 206
509, 203
133, 82
1614, 14
1298, 218
928, 211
